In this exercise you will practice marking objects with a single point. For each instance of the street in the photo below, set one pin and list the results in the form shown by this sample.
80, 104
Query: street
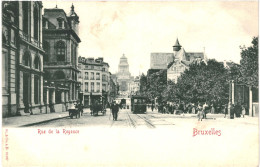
151, 139
126, 119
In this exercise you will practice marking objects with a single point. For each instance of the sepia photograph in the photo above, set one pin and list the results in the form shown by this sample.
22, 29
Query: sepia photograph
130, 83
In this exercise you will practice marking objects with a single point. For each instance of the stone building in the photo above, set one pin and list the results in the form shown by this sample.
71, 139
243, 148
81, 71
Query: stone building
182, 60
95, 80
242, 94
135, 86
22, 58
112, 89
124, 76
60, 42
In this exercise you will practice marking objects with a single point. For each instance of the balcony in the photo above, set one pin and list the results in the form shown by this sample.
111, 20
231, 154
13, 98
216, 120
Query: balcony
24, 36
28, 39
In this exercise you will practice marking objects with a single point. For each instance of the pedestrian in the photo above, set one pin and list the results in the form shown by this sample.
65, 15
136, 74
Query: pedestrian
91, 109
225, 110
243, 110
115, 109
212, 109
200, 112
193, 109
152, 107
205, 109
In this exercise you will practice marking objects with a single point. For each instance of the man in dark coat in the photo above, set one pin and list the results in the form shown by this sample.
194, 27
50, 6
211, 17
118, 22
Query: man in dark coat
115, 109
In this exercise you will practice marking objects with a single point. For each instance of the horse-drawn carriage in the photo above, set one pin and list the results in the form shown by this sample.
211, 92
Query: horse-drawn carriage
76, 110
96, 108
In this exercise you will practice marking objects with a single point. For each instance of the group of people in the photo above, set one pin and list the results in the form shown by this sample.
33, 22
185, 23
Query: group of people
201, 109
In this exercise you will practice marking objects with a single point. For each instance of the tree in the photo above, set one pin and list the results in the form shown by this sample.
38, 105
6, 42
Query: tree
143, 84
156, 84
201, 82
249, 64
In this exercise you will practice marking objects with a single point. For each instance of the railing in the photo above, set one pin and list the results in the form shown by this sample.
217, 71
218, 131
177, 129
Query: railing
24, 36
27, 38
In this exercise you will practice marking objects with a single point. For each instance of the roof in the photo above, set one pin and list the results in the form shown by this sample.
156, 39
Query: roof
177, 44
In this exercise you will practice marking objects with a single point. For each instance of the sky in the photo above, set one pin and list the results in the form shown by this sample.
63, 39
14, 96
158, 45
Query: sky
136, 29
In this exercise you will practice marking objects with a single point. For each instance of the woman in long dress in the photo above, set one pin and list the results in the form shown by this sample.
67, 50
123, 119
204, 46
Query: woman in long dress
243, 111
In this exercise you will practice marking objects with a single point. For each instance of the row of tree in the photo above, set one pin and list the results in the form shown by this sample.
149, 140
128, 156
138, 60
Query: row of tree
204, 81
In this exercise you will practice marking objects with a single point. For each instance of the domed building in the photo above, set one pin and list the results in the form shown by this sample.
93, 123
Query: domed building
124, 77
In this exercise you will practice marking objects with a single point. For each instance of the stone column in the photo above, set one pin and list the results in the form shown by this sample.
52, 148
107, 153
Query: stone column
31, 22
76, 91
40, 27
233, 92
53, 96
20, 16
21, 104
47, 100
250, 102
62, 96
32, 89
47, 96
41, 90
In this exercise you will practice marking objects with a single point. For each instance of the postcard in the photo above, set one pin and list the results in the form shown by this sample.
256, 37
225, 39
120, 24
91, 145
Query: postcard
130, 83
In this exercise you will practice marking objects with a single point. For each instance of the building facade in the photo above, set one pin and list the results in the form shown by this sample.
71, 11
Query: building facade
181, 61
135, 86
123, 75
95, 80
60, 42
22, 58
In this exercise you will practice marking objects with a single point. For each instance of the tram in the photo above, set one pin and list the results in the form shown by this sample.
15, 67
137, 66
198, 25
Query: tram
138, 104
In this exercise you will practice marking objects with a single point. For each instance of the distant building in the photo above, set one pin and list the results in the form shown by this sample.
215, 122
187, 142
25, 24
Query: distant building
160, 60
123, 76
135, 86
60, 42
95, 78
181, 61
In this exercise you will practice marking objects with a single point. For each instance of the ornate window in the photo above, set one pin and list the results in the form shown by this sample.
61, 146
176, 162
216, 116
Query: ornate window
26, 59
86, 75
98, 87
59, 75
86, 86
36, 22
25, 6
97, 76
37, 63
92, 76
92, 86
60, 51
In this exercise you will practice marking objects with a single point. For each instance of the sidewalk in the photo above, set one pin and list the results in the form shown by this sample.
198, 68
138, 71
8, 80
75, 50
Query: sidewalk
23, 121
218, 117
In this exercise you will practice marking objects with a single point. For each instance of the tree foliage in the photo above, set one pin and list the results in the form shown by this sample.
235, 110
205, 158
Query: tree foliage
249, 64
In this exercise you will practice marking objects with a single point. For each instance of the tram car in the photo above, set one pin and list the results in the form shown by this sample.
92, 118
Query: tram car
138, 104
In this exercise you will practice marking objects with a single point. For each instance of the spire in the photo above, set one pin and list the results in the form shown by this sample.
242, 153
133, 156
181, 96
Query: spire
176, 46
72, 7
72, 12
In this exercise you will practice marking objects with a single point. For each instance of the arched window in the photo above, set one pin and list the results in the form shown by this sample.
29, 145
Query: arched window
36, 22
60, 50
26, 59
59, 75
25, 6
46, 48
37, 63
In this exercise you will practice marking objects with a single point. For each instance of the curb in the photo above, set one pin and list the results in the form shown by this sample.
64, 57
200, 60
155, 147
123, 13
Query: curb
41, 122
